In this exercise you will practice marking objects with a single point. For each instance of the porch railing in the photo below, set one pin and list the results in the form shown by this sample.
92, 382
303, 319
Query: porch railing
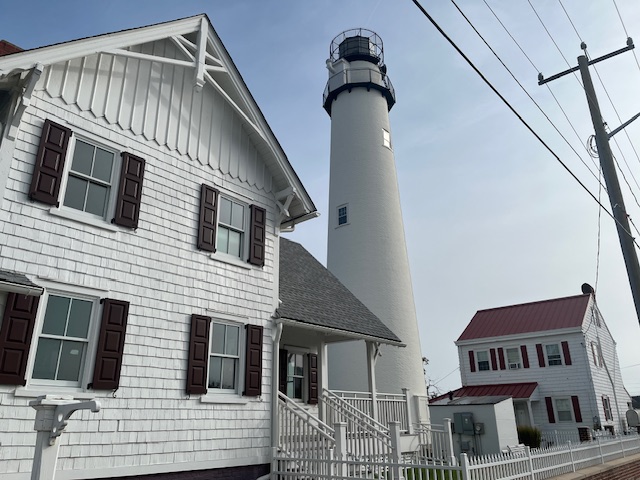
392, 407
305, 444
435, 444
366, 438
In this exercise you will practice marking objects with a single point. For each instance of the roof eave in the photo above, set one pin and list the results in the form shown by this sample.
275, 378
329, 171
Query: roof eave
518, 336
353, 335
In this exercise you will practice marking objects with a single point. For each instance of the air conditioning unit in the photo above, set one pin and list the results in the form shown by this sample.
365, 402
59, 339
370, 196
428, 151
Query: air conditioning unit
513, 366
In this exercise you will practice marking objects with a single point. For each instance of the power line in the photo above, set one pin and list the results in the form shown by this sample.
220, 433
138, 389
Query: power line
624, 27
514, 111
547, 85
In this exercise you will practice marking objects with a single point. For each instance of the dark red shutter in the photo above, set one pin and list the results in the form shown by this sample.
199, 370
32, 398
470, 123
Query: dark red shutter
129, 191
576, 408
525, 356
49, 167
253, 362
15, 337
208, 221
501, 358
198, 361
257, 238
106, 374
565, 352
494, 361
550, 414
313, 379
472, 361
282, 372
540, 354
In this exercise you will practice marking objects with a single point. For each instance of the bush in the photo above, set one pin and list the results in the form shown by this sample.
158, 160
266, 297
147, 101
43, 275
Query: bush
530, 436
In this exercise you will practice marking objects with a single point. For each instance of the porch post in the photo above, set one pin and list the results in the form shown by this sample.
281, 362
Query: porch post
371, 370
448, 431
531, 423
323, 371
408, 398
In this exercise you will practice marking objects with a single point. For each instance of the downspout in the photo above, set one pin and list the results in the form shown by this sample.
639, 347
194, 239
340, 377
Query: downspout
275, 382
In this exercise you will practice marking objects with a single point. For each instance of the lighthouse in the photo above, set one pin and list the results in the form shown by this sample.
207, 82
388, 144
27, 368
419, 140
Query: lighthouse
366, 243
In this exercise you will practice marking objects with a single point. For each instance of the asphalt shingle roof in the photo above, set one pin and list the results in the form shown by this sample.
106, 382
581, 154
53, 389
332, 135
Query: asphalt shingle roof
311, 294
16, 278
567, 312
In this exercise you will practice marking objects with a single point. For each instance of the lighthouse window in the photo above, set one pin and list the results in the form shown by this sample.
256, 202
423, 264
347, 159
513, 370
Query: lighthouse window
386, 139
342, 215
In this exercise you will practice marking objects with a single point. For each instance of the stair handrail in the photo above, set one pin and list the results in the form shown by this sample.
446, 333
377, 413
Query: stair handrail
354, 413
314, 422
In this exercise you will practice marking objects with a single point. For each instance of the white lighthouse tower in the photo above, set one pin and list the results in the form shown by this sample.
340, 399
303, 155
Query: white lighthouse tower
366, 245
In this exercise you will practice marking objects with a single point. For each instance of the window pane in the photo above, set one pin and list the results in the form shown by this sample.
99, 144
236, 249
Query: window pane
96, 199
234, 243
215, 372
553, 350
290, 389
513, 356
82, 158
46, 359
222, 242
297, 388
231, 345
102, 165
70, 361
217, 340
74, 196
79, 318
299, 370
225, 210
228, 373
55, 317
237, 216
291, 364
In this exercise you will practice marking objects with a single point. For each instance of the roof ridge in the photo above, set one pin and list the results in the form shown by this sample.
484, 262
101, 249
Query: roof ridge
537, 302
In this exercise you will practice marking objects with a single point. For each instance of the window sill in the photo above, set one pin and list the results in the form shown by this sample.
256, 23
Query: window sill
40, 390
230, 260
80, 218
222, 398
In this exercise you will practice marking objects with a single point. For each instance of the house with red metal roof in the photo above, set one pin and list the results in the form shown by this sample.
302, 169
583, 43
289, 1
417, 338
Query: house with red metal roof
557, 360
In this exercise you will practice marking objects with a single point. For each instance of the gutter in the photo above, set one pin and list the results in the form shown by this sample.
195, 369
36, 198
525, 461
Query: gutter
21, 289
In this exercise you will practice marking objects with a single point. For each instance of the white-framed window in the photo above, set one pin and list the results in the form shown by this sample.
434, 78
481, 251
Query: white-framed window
564, 410
596, 351
386, 138
513, 358
295, 375
343, 215
483, 361
233, 224
89, 185
65, 341
553, 354
224, 357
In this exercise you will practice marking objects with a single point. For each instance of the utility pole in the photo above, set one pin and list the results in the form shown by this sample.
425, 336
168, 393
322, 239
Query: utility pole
608, 167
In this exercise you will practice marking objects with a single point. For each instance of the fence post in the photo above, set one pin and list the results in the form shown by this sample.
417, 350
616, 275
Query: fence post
449, 441
573, 465
408, 398
527, 450
600, 450
464, 463
340, 429
622, 446
394, 428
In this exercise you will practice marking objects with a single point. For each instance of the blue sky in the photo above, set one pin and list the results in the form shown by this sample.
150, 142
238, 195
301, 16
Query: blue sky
491, 218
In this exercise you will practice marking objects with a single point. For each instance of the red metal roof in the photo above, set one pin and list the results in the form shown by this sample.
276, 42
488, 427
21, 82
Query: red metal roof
514, 390
552, 314
7, 48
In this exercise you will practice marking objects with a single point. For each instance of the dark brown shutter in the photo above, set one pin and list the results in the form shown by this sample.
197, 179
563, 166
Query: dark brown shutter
576, 408
47, 174
198, 361
106, 375
313, 379
494, 361
282, 371
129, 191
472, 361
501, 358
550, 414
253, 362
540, 354
15, 337
257, 238
208, 221
566, 353
525, 356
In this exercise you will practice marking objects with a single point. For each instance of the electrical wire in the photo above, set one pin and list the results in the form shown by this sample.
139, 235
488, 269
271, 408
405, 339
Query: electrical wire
624, 27
515, 112
547, 85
